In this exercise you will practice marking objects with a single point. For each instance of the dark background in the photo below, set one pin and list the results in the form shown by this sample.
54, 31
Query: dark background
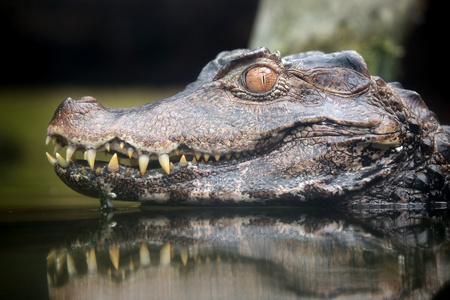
168, 42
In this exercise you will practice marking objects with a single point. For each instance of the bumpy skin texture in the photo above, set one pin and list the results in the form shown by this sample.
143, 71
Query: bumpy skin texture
321, 128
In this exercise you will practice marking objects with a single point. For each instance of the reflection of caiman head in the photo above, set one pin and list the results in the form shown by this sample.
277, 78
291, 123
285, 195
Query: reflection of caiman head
259, 128
279, 254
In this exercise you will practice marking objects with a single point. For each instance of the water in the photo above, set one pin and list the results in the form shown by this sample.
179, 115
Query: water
218, 253
55, 243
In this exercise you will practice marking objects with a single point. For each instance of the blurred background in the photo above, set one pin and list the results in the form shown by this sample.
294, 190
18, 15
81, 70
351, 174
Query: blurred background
129, 52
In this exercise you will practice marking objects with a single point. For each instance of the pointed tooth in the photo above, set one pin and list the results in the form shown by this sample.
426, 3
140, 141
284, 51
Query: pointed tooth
69, 152
47, 140
172, 166
97, 171
58, 147
114, 163
237, 155
144, 255
90, 157
217, 157
143, 163
60, 258
194, 161
122, 144
108, 147
50, 158
183, 162
83, 170
91, 261
164, 162
130, 152
61, 161
184, 255
164, 255
114, 252
198, 155
206, 157
131, 264
71, 265
228, 156
127, 172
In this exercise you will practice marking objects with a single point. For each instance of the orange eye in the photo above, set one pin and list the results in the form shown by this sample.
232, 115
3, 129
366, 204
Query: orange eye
260, 79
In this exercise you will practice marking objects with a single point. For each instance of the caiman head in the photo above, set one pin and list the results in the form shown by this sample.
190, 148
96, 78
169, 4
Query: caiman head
259, 128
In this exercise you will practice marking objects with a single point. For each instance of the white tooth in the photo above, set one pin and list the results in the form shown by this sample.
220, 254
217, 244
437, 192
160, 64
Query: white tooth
130, 152
183, 162
91, 261
47, 140
114, 254
217, 157
51, 159
228, 156
108, 147
144, 255
58, 147
237, 155
69, 152
113, 163
143, 163
206, 157
164, 162
90, 157
164, 255
61, 161
122, 144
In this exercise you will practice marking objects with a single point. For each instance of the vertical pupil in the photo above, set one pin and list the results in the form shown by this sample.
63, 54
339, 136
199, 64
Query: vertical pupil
260, 79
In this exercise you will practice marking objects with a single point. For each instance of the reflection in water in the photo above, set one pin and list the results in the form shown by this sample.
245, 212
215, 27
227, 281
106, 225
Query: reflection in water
253, 254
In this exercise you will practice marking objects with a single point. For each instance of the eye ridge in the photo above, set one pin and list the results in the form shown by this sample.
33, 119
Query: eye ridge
260, 79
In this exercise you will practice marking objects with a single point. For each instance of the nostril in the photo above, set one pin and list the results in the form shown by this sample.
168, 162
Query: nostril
73, 113
73, 106
88, 99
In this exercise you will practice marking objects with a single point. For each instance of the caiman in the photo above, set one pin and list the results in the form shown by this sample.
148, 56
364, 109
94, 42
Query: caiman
258, 128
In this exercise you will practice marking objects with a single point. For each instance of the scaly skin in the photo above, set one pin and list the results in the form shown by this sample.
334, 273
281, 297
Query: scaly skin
309, 127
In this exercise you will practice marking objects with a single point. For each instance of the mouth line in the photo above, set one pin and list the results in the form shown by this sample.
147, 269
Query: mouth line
118, 156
